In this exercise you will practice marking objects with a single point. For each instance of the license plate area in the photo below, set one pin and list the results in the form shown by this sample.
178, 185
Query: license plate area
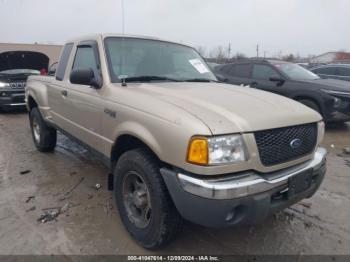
299, 183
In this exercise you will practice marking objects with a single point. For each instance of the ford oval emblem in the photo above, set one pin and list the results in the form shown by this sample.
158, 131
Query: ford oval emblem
295, 143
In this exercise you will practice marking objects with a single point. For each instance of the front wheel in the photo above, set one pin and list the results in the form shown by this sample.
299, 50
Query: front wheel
143, 201
44, 136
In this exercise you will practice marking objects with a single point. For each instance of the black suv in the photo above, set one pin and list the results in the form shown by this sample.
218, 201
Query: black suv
330, 97
15, 67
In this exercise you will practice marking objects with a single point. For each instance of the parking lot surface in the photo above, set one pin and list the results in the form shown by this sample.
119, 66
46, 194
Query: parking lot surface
32, 182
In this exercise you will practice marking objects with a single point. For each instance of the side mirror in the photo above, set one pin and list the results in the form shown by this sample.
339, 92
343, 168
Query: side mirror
85, 77
52, 69
279, 81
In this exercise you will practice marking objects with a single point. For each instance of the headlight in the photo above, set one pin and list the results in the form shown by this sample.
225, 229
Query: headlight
217, 150
339, 93
2, 85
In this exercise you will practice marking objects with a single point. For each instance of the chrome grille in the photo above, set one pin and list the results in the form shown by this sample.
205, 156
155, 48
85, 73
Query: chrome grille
18, 85
280, 145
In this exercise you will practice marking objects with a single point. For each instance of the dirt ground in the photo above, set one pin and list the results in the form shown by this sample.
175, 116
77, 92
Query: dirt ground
31, 181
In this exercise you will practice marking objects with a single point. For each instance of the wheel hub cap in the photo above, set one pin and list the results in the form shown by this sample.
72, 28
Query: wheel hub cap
136, 199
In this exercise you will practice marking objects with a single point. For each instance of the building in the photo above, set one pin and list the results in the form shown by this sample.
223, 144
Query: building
39, 56
331, 57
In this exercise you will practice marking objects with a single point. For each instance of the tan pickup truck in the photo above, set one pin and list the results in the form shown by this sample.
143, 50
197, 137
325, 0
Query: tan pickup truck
179, 143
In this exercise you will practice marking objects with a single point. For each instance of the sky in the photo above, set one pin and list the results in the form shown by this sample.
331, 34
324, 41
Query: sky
304, 27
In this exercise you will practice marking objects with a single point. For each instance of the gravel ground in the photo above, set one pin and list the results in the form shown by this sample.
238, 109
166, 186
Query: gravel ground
31, 181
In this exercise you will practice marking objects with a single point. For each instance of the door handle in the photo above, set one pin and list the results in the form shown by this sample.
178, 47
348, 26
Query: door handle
64, 93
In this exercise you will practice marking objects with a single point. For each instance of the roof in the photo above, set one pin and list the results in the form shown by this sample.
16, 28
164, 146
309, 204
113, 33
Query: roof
338, 56
342, 56
106, 35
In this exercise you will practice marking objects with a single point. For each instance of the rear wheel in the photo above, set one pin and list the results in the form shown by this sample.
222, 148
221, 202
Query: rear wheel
143, 201
44, 136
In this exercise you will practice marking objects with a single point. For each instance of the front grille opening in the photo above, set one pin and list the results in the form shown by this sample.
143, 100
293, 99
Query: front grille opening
276, 146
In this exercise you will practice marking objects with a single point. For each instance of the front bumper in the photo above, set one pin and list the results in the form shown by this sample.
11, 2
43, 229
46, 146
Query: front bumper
242, 198
10, 98
339, 112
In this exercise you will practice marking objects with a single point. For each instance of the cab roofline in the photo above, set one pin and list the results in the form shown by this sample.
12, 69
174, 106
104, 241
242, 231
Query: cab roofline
107, 35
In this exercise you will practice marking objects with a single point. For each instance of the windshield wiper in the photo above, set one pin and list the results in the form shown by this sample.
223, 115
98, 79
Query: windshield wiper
147, 78
203, 80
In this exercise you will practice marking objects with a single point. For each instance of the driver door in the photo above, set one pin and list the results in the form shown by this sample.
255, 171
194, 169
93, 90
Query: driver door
84, 102
261, 74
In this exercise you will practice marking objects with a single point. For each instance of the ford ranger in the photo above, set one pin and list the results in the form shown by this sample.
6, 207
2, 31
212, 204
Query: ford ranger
179, 143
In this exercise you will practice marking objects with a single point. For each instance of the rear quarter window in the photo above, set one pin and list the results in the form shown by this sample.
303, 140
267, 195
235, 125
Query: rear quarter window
61, 69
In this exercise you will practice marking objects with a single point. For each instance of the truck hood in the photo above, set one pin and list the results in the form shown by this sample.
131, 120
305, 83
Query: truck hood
23, 60
231, 109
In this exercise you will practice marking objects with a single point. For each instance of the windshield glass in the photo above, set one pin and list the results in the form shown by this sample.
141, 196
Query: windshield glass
296, 72
20, 71
143, 59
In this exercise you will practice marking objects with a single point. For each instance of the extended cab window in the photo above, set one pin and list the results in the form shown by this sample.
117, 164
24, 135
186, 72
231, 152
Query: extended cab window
263, 72
85, 58
61, 69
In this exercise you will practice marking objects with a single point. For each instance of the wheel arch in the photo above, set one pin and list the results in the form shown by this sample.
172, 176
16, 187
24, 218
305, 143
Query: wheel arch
128, 141
31, 103
313, 99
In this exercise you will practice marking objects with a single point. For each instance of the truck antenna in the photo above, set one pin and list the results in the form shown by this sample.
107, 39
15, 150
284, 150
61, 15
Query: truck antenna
123, 33
123, 18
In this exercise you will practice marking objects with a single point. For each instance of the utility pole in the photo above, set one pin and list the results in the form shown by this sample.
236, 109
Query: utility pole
229, 50
257, 51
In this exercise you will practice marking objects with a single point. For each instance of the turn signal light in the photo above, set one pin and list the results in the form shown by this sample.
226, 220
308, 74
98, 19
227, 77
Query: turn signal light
198, 151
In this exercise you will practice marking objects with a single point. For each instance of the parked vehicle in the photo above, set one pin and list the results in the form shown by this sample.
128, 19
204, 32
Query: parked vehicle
329, 97
334, 71
12, 85
179, 144
15, 67
212, 65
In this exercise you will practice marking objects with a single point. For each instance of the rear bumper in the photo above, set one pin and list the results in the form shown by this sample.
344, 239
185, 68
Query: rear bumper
245, 198
9, 99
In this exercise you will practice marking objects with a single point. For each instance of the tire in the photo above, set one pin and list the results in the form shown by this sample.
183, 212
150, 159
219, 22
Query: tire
311, 104
161, 220
44, 136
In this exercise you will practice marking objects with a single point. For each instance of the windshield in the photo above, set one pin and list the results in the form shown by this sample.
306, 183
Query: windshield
145, 60
296, 72
20, 71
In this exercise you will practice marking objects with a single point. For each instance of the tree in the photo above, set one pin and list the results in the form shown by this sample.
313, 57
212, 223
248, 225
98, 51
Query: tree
219, 54
288, 58
240, 56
